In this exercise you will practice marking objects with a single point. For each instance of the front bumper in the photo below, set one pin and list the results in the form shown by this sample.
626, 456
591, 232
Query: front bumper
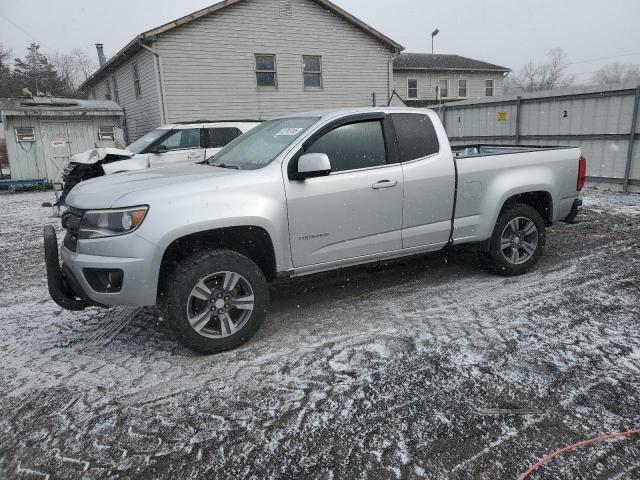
69, 287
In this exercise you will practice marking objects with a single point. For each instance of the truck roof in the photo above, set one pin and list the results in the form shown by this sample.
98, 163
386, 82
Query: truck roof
330, 113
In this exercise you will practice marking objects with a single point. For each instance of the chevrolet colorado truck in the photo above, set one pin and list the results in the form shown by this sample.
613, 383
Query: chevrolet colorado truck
298, 195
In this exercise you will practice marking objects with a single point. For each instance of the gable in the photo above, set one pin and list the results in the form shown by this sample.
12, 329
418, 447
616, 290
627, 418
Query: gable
287, 7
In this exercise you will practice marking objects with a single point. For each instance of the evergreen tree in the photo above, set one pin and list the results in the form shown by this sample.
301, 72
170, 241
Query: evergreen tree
6, 75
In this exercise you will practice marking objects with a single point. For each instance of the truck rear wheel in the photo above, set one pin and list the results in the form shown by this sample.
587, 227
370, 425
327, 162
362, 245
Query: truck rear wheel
215, 301
518, 240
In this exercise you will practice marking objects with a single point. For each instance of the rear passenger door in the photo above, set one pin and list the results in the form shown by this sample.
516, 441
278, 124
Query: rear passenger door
429, 181
216, 138
356, 211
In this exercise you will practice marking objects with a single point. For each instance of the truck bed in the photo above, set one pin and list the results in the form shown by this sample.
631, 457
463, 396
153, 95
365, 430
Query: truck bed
487, 175
481, 150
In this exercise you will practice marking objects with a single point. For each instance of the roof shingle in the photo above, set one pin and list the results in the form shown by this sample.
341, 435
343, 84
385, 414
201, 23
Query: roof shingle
429, 61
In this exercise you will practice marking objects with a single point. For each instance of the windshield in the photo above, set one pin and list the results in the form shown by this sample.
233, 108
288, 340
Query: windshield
139, 145
260, 146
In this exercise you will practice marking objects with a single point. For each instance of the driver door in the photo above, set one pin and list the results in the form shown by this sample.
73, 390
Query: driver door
182, 146
356, 211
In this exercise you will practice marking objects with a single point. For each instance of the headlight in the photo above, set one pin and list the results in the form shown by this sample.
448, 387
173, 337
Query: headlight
110, 223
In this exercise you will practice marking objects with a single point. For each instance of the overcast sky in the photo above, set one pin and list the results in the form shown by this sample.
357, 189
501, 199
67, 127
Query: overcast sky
509, 33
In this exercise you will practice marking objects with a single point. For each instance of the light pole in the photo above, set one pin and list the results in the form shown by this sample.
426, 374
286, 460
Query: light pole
433, 34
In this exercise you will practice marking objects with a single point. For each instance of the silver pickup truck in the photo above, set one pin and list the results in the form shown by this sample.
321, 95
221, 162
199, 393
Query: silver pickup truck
298, 195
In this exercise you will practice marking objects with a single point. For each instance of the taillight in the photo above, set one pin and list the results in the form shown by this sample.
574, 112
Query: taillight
582, 173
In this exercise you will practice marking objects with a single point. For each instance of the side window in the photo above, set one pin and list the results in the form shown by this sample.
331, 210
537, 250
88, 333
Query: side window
353, 146
488, 88
220, 137
182, 139
137, 87
412, 88
266, 70
312, 71
416, 136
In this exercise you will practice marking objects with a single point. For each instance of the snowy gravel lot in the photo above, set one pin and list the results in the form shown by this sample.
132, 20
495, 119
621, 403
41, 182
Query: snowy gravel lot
427, 368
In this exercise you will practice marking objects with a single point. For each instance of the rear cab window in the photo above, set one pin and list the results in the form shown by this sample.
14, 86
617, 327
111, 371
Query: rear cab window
416, 136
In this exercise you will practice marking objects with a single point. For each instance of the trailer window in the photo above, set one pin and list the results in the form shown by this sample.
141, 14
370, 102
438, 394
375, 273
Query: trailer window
25, 134
416, 136
106, 133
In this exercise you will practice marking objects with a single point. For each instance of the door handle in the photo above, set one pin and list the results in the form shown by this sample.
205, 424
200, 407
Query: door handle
385, 184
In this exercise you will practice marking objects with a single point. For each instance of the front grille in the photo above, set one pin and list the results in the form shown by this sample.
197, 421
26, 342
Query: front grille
71, 222
68, 170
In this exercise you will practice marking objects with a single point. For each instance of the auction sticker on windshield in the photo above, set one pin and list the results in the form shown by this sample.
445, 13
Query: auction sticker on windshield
289, 132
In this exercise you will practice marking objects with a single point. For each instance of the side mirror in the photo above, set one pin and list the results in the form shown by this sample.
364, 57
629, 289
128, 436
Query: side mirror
159, 149
312, 165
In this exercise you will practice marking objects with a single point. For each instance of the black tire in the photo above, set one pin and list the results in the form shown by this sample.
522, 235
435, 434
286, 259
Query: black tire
526, 255
179, 303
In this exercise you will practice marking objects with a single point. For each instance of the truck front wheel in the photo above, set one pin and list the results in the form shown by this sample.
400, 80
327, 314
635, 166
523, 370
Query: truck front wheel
518, 240
215, 301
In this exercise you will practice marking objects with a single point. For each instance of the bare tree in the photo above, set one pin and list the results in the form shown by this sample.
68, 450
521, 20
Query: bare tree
547, 75
65, 66
73, 68
85, 66
617, 73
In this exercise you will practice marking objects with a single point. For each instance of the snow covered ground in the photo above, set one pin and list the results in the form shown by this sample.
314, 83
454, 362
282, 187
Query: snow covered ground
427, 368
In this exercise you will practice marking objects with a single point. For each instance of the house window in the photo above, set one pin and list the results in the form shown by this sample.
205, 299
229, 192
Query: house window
25, 134
116, 93
443, 85
488, 88
106, 133
462, 88
136, 80
412, 88
312, 71
266, 73
108, 87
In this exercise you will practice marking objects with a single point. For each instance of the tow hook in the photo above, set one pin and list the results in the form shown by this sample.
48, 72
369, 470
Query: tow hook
59, 289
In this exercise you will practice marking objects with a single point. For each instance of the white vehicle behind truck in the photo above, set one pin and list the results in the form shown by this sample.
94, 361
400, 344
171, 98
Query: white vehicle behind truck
299, 195
169, 145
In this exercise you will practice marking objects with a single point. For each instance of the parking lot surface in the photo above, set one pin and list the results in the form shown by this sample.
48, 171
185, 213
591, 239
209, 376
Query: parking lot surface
424, 368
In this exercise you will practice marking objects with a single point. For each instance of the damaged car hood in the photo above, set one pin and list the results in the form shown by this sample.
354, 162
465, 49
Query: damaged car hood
95, 155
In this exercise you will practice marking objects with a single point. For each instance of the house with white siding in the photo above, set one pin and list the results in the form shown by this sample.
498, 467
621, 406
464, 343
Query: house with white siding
422, 79
247, 59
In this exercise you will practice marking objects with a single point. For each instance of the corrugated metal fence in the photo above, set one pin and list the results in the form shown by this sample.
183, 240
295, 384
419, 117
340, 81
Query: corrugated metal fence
602, 121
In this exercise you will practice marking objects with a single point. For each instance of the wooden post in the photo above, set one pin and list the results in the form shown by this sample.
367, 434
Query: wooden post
632, 139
